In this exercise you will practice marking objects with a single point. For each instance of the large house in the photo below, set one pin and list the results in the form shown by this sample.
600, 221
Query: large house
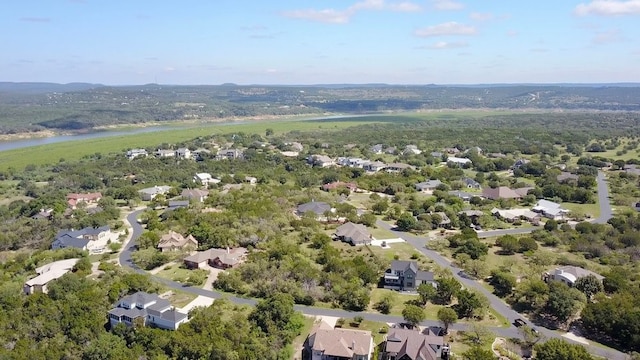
504, 192
398, 167
134, 153
354, 234
374, 166
471, 183
93, 240
550, 209
569, 274
318, 208
405, 276
405, 344
458, 160
320, 160
511, 215
149, 194
143, 309
195, 194
173, 241
327, 343
412, 150
183, 153
340, 185
205, 179
165, 153
218, 258
230, 154
48, 273
428, 186
74, 199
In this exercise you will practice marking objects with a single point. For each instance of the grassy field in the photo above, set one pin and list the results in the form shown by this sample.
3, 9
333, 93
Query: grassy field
180, 299
174, 273
298, 342
588, 209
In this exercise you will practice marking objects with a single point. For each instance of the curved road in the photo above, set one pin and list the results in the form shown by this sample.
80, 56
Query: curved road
419, 243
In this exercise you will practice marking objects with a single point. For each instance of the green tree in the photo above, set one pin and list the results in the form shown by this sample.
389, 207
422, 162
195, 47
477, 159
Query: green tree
446, 289
468, 304
589, 285
563, 301
555, 349
478, 353
509, 244
447, 316
406, 222
385, 304
503, 283
413, 314
551, 225
426, 292
474, 248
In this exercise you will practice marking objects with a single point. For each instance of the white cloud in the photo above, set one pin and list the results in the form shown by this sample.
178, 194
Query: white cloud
449, 28
609, 8
481, 16
441, 45
447, 5
334, 16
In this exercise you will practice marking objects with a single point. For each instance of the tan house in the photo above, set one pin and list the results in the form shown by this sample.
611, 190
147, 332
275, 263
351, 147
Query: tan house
354, 234
504, 192
174, 241
327, 343
195, 194
408, 344
74, 199
218, 258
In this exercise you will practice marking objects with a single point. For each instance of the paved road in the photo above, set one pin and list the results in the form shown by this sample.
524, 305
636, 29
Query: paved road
606, 212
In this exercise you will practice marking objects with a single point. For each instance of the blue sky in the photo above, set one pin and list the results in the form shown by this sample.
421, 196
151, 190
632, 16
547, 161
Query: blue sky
320, 41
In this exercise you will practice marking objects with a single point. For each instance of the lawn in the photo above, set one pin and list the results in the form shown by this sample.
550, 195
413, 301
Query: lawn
399, 300
298, 342
588, 209
174, 273
372, 326
180, 299
381, 234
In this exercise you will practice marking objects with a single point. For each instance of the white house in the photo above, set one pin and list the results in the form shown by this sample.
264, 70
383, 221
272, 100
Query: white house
458, 160
183, 153
165, 153
205, 179
149, 194
412, 150
48, 273
550, 209
374, 166
570, 274
146, 309
134, 153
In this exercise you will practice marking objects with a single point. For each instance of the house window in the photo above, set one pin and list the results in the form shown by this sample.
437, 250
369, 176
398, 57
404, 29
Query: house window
409, 284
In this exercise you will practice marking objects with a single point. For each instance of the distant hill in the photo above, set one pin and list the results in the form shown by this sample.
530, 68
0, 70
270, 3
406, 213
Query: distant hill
44, 87
82, 106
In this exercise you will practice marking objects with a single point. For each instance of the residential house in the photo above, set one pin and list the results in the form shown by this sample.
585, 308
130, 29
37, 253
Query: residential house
436, 154
550, 209
569, 274
195, 194
205, 179
391, 150
462, 195
74, 199
428, 186
93, 240
399, 167
149, 194
374, 166
471, 183
519, 163
218, 258
177, 204
327, 343
411, 150
567, 177
230, 154
318, 208
354, 234
405, 276
340, 185
251, 180
320, 161
406, 344
134, 153
144, 309
174, 241
377, 148
295, 146
445, 222
472, 214
502, 192
201, 153
183, 153
351, 162
458, 160
43, 214
475, 149
48, 273
165, 153
637, 206
452, 151
511, 215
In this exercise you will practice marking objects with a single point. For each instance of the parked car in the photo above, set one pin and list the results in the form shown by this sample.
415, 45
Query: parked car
519, 323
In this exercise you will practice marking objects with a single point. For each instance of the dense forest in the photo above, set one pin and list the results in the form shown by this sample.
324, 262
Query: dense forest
74, 107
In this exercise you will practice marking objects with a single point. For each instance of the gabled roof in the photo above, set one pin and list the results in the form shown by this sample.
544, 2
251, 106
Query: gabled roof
317, 207
413, 344
357, 233
194, 193
424, 275
579, 272
78, 243
501, 192
341, 342
173, 239
404, 265
429, 184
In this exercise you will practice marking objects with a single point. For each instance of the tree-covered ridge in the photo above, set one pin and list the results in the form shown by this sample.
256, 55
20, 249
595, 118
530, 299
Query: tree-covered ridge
95, 106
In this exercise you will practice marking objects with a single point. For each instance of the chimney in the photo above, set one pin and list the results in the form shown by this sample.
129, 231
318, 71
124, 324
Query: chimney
227, 249
353, 345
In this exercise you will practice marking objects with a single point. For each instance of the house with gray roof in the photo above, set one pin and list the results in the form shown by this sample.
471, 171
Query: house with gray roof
320, 161
550, 209
149, 194
91, 239
144, 309
318, 208
428, 186
195, 194
377, 148
354, 234
471, 183
567, 177
466, 196
409, 344
406, 276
